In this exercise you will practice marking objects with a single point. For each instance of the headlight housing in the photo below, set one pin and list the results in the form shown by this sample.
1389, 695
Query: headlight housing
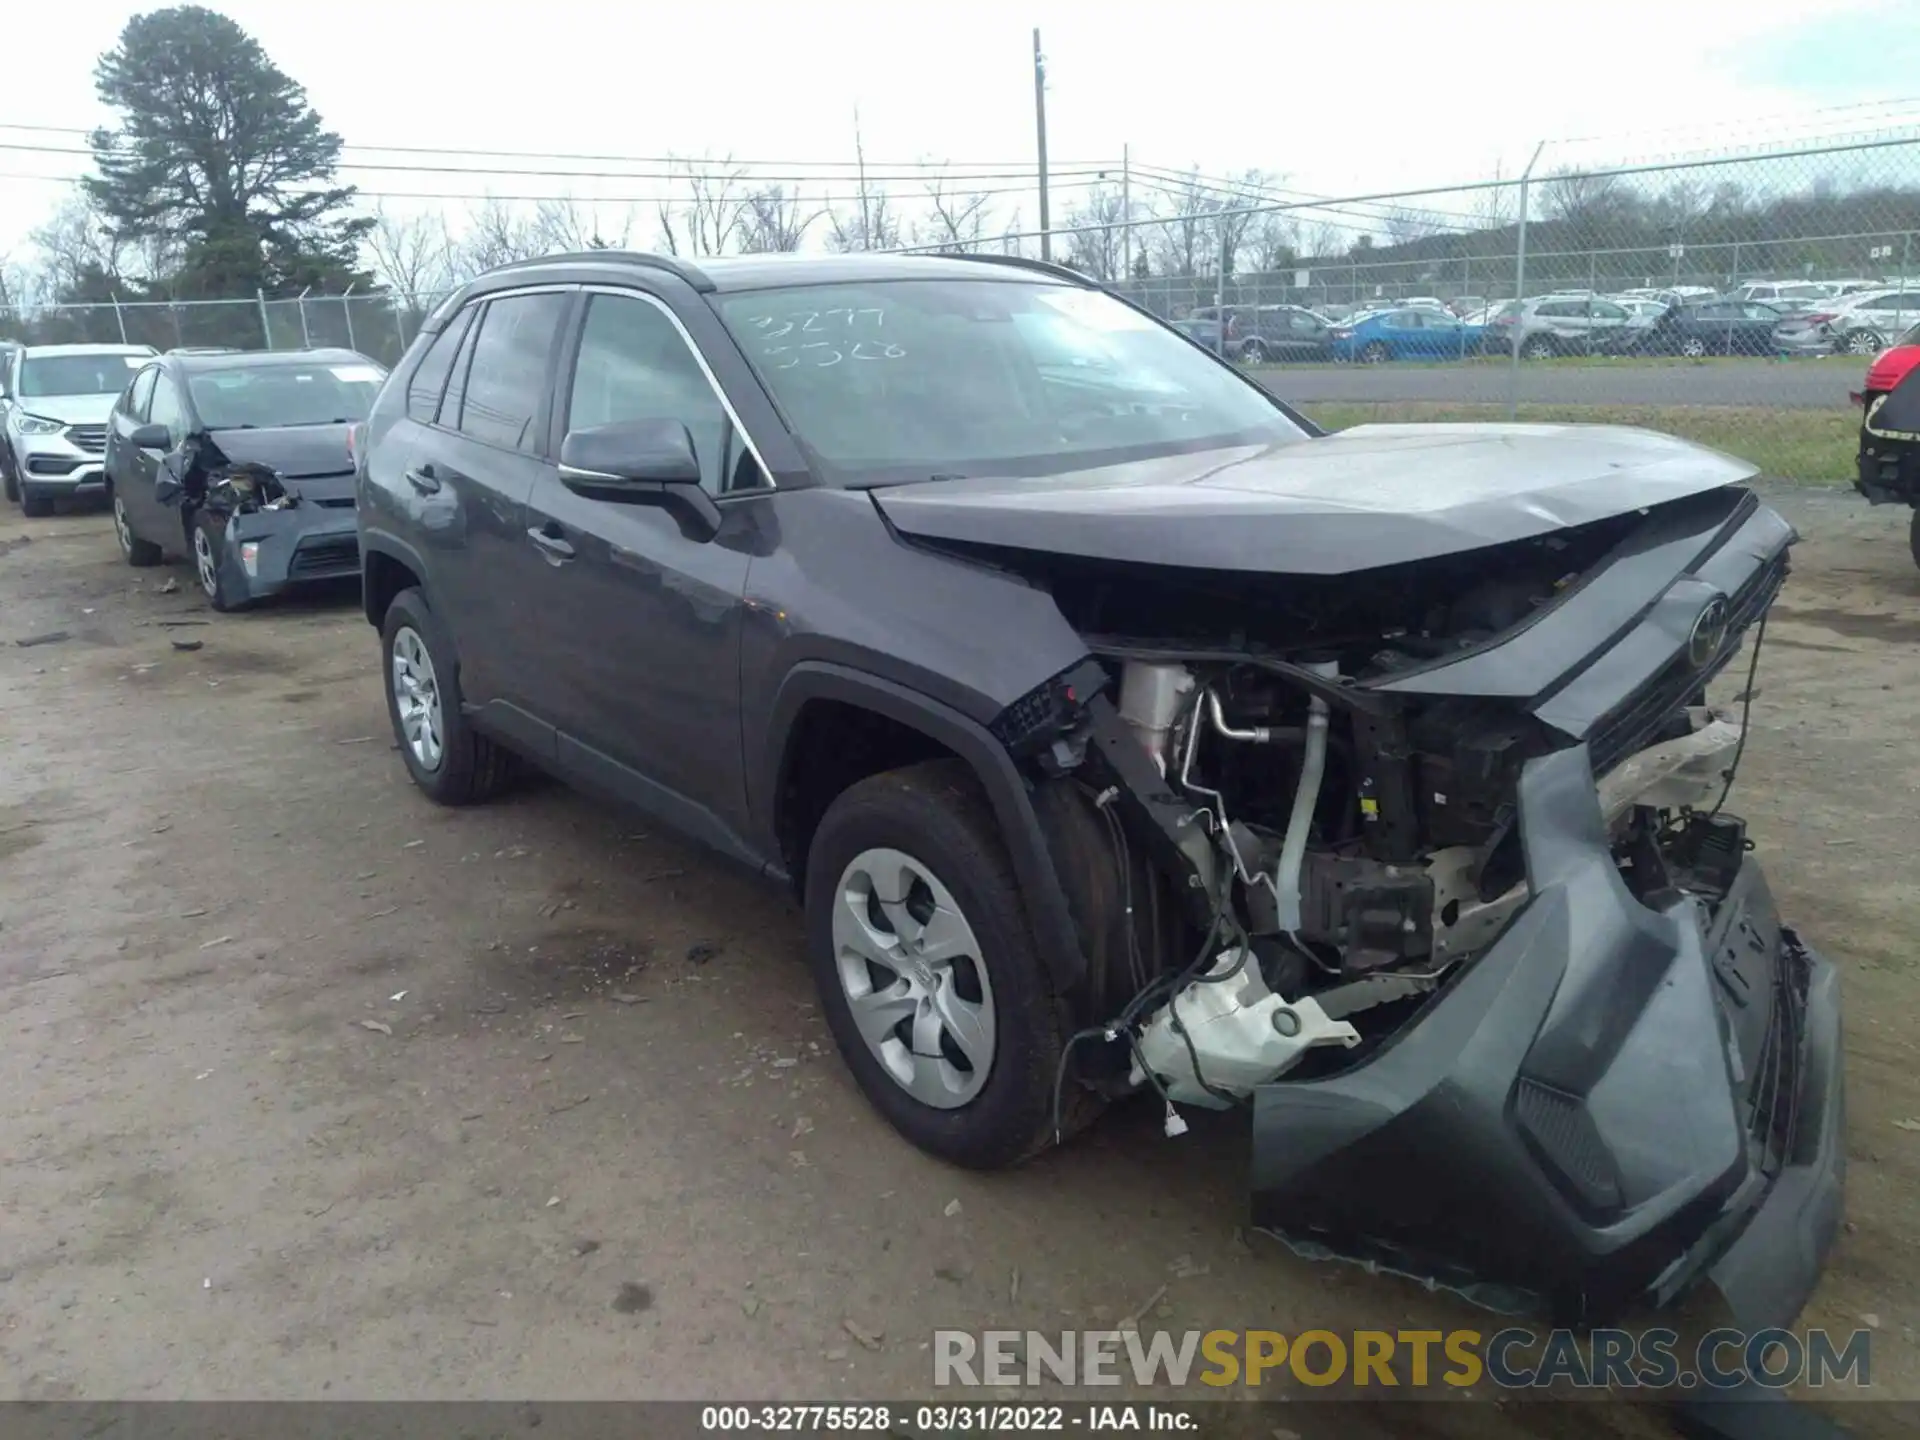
37, 424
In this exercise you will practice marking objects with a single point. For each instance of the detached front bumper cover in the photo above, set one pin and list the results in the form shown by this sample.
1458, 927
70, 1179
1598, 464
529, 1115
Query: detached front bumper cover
1608, 1106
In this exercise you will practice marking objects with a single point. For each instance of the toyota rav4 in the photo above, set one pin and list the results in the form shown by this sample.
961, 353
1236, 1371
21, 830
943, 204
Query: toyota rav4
1120, 731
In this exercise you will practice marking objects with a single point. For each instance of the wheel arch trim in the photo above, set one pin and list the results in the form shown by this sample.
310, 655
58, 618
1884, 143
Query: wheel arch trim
1041, 893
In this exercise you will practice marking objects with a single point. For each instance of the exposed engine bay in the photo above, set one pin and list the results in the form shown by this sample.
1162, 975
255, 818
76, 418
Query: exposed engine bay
1334, 851
209, 480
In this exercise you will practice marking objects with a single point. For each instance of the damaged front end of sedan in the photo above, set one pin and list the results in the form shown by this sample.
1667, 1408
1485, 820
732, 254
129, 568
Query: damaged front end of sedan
1428, 864
277, 505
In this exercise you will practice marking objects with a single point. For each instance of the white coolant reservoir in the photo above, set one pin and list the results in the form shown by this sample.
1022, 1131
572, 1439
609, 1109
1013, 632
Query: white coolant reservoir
1243, 1035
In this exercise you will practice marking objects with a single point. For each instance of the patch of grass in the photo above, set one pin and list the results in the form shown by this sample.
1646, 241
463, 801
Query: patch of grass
1810, 447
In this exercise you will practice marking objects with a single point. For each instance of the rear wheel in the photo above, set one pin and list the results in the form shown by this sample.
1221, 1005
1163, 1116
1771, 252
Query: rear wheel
1865, 342
1693, 347
927, 971
1539, 348
447, 758
1254, 353
139, 552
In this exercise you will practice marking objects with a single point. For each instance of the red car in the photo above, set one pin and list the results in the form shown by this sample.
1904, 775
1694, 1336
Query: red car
1890, 431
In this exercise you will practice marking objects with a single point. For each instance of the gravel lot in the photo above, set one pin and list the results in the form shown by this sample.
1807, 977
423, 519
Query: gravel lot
315, 1089
1791, 384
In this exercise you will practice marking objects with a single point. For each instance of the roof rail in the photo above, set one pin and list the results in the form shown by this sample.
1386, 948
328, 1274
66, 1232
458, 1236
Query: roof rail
672, 264
1021, 262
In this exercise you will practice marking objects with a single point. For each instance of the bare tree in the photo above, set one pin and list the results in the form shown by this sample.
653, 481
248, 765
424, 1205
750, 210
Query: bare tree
1322, 240
1272, 242
959, 219
413, 257
1405, 225
496, 234
76, 252
1097, 238
1583, 198
1180, 244
1494, 207
1012, 240
775, 220
570, 224
873, 226
709, 222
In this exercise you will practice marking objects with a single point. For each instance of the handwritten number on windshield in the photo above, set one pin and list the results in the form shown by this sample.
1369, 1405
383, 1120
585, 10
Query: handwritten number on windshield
818, 354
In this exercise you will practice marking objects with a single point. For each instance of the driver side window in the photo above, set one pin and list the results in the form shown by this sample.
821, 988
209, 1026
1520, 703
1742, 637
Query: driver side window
167, 410
140, 395
634, 365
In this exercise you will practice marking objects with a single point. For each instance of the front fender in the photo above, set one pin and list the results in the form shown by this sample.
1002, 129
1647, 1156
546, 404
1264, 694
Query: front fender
1005, 786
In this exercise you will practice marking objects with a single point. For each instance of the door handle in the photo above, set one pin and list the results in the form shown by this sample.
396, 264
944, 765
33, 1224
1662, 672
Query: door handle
424, 480
554, 547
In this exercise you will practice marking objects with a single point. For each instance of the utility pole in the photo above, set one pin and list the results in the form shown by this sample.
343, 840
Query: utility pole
1040, 126
1126, 215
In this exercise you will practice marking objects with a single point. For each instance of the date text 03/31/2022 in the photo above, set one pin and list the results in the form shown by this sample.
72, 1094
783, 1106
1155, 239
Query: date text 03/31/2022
946, 1419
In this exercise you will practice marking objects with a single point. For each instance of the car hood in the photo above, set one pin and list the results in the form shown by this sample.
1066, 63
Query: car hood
314, 455
1371, 496
70, 409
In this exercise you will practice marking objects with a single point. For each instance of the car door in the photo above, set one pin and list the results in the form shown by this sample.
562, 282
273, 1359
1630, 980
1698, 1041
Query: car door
1755, 334
640, 623
148, 515
130, 469
1305, 336
470, 476
1442, 336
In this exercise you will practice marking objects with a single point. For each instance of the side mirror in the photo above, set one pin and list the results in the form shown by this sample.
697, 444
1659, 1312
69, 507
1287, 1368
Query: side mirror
153, 437
641, 462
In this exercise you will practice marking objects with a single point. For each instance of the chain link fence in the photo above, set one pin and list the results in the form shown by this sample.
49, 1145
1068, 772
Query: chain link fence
1730, 299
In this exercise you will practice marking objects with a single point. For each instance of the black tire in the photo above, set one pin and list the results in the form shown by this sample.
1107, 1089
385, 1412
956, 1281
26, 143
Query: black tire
139, 553
1539, 348
1913, 536
936, 813
9, 477
35, 504
1375, 352
472, 768
211, 530
1254, 353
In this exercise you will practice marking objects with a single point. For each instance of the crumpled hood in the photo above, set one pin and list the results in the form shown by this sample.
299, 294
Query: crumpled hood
72, 409
1366, 497
314, 456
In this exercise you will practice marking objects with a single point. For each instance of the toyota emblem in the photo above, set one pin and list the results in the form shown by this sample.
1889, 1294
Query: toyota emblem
1709, 632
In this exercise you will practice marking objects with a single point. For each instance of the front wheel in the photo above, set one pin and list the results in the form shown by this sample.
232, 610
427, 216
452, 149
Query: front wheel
927, 973
1254, 353
209, 551
1376, 353
9, 477
1693, 347
1540, 349
1865, 342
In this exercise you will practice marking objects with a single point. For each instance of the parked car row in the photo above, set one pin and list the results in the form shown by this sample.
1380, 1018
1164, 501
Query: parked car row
1770, 318
238, 460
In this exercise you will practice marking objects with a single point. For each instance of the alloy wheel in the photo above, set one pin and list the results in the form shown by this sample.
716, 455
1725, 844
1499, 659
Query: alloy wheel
416, 698
204, 563
909, 965
122, 531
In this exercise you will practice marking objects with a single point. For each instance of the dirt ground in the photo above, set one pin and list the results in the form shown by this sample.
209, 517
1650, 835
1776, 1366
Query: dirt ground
315, 1089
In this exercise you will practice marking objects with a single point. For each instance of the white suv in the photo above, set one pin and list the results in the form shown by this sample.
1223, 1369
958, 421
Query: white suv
57, 401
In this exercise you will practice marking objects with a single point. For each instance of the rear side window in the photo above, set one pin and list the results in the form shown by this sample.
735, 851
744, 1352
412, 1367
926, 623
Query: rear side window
507, 380
167, 409
430, 376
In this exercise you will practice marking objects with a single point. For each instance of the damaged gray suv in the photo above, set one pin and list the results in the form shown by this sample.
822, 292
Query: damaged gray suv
1120, 732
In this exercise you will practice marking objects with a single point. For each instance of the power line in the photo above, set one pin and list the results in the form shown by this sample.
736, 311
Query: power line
688, 167
917, 165
664, 198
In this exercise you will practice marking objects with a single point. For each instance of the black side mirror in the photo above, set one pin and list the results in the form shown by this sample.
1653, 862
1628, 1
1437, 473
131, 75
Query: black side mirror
641, 462
152, 437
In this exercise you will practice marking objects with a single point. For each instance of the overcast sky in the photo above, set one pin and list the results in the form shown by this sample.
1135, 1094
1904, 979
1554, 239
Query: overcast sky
1337, 99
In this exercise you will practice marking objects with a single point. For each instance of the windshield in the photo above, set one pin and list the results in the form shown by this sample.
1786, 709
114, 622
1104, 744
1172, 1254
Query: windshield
906, 379
105, 373
263, 396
